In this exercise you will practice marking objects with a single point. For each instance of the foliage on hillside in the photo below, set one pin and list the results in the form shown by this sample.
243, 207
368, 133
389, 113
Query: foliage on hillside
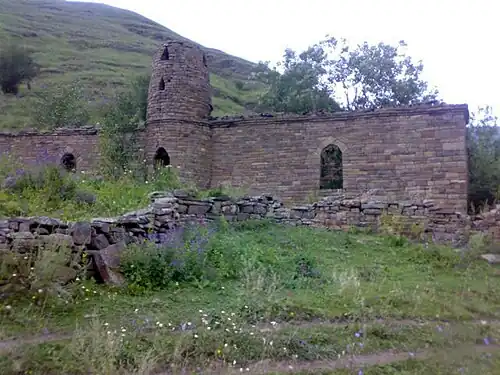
101, 47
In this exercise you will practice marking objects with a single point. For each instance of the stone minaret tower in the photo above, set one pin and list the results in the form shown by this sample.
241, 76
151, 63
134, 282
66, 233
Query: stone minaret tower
180, 85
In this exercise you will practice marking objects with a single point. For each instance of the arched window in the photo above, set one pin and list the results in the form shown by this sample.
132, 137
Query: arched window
165, 55
161, 86
68, 161
162, 159
331, 168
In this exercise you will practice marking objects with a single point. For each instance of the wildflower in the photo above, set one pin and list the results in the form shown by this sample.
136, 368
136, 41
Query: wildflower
160, 325
486, 341
8, 307
225, 345
124, 330
219, 352
200, 311
106, 324
136, 310
234, 362
195, 336
40, 290
360, 372
14, 274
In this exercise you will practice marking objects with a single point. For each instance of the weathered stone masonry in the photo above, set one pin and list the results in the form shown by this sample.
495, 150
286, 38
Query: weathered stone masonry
410, 153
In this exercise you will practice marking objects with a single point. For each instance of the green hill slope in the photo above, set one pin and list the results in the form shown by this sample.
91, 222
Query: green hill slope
103, 47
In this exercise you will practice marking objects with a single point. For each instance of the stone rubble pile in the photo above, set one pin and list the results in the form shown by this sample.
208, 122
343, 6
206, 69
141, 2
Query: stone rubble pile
104, 238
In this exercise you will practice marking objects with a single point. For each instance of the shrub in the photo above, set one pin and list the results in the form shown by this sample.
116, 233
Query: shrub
16, 66
61, 106
182, 255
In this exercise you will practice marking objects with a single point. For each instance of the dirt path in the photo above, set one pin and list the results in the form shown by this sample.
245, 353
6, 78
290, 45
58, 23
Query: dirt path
8, 345
355, 363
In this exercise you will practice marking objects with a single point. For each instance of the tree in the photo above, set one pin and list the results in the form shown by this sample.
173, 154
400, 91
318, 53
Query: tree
299, 88
331, 72
374, 76
483, 147
122, 117
16, 66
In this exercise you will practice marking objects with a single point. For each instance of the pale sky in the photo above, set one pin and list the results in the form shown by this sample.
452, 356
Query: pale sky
455, 39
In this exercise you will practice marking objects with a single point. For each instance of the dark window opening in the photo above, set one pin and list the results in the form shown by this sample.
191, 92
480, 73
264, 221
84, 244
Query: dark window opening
162, 85
331, 168
165, 55
162, 159
204, 60
68, 162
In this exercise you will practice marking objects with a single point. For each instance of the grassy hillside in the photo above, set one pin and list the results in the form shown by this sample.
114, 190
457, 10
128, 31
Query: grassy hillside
103, 47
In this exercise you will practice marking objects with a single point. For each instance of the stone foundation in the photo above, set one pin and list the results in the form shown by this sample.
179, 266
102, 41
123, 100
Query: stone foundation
104, 238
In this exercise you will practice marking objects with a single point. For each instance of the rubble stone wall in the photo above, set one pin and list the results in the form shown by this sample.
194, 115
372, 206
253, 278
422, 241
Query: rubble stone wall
169, 211
488, 223
104, 238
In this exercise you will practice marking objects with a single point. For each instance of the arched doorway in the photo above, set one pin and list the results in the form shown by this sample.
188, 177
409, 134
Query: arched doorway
161, 159
68, 161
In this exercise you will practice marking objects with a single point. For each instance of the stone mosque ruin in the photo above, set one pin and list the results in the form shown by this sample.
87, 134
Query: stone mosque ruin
409, 152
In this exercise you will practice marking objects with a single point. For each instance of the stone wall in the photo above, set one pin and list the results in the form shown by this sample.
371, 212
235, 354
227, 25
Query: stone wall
417, 151
105, 238
488, 223
33, 147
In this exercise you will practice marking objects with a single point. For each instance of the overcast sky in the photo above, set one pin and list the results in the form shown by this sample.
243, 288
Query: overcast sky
455, 39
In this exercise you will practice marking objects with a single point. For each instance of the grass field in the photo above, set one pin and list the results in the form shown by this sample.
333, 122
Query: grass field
300, 300
103, 48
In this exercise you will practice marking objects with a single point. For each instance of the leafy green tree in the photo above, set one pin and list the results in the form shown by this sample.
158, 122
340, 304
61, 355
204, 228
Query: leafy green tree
374, 76
299, 88
125, 113
16, 66
331, 72
483, 146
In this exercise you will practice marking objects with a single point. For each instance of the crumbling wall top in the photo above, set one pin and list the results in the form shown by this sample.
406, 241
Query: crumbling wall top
425, 108
64, 131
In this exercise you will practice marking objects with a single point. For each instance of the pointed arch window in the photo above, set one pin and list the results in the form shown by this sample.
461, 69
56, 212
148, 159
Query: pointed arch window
331, 168
165, 55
